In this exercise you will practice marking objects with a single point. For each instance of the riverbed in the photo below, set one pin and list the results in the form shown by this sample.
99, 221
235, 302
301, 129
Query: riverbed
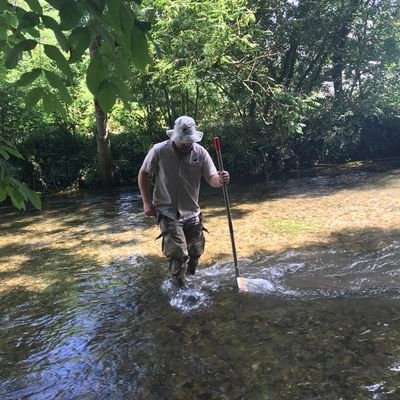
88, 311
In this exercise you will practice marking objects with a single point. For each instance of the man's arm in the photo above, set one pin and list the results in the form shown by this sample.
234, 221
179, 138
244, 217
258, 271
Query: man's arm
218, 179
144, 187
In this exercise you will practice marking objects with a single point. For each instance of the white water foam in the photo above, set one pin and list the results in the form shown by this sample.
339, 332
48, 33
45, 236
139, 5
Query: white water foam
297, 274
187, 299
328, 273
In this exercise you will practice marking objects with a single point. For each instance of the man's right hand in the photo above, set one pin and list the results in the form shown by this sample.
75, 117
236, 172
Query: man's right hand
149, 210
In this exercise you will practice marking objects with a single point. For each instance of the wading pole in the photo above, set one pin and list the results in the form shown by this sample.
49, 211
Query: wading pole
217, 146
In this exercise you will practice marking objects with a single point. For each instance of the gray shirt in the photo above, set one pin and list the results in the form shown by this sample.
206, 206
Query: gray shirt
177, 178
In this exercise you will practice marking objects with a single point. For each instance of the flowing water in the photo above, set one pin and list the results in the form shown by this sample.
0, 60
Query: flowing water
87, 310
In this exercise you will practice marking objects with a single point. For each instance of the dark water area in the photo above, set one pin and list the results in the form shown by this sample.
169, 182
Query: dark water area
87, 310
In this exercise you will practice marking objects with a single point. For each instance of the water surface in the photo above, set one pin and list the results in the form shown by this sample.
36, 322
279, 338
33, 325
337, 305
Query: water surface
88, 312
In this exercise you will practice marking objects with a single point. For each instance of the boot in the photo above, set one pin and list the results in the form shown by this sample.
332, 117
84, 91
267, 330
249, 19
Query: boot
192, 264
179, 282
177, 269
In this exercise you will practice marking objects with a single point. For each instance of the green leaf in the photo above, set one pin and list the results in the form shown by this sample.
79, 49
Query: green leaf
51, 104
107, 95
4, 23
100, 4
60, 109
28, 77
49, 100
3, 33
127, 22
122, 89
5, 155
3, 194
4, 178
122, 64
28, 20
35, 6
17, 199
95, 74
4, 5
52, 24
79, 41
114, 13
34, 199
7, 142
57, 4
140, 49
49, 22
105, 36
15, 54
33, 32
13, 151
62, 40
9, 19
33, 97
55, 54
95, 7
70, 15
21, 187
57, 83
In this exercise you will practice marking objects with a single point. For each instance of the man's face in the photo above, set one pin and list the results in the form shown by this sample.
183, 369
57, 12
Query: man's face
184, 147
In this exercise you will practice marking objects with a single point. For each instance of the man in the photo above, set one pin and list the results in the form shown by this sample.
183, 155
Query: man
178, 165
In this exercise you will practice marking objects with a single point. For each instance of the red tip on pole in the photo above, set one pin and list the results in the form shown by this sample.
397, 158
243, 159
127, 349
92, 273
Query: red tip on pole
217, 143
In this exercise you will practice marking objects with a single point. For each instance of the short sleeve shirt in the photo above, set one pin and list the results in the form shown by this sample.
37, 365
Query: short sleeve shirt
177, 178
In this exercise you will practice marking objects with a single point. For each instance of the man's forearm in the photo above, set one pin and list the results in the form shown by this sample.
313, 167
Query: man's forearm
218, 179
215, 181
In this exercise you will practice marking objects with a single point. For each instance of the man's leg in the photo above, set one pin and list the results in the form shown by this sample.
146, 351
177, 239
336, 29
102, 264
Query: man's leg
195, 244
175, 249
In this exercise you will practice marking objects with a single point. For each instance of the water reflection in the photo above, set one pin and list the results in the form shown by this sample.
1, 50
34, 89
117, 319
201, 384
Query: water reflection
87, 311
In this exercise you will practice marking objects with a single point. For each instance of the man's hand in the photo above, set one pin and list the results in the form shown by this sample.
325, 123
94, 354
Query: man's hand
149, 210
224, 177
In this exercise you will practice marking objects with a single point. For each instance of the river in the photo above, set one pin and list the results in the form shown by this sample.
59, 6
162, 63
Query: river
87, 310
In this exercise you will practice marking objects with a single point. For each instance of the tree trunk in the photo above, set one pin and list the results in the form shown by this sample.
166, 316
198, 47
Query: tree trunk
197, 102
104, 159
170, 111
339, 49
337, 70
289, 63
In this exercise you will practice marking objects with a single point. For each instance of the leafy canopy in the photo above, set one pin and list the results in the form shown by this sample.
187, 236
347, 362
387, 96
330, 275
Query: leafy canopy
112, 30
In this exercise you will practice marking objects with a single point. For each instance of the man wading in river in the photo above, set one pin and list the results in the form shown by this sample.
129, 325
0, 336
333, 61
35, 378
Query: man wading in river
178, 165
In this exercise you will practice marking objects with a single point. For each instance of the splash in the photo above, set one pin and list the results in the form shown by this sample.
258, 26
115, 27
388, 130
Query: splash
297, 274
188, 299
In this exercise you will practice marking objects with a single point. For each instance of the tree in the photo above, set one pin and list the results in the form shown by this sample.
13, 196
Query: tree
111, 29
10, 187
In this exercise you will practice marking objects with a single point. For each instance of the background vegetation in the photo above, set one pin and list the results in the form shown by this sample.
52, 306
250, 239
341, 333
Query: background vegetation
88, 85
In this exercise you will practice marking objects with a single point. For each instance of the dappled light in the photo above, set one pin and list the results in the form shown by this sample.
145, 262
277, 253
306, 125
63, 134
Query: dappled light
351, 212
